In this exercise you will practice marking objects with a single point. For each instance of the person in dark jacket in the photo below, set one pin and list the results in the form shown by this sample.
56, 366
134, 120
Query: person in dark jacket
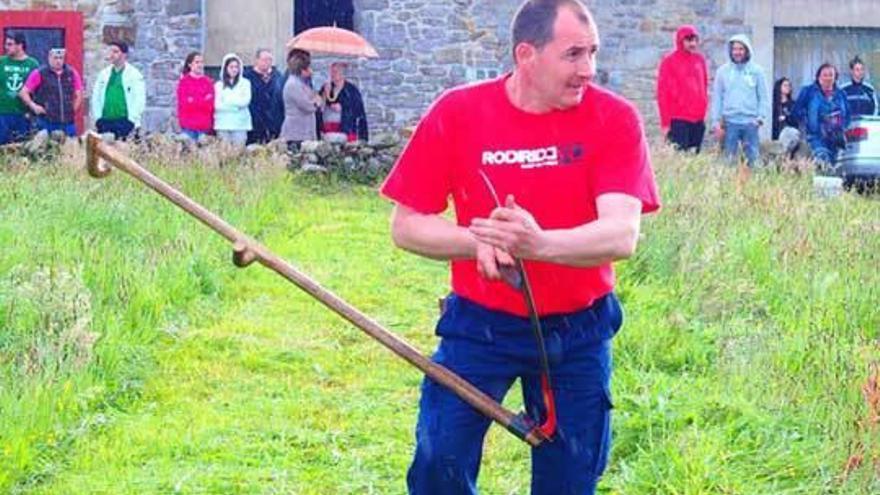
264, 88
783, 104
54, 93
827, 116
343, 106
860, 96
683, 91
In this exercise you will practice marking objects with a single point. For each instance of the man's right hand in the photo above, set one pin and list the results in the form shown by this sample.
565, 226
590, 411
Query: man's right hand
491, 260
719, 132
38, 109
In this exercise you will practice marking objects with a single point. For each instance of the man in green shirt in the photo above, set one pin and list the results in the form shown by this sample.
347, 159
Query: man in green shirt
15, 67
119, 94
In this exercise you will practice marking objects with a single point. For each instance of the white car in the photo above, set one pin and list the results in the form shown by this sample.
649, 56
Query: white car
859, 163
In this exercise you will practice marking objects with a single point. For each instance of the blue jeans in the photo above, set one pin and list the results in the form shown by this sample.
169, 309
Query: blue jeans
747, 134
14, 127
491, 349
194, 135
824, 153
45, 125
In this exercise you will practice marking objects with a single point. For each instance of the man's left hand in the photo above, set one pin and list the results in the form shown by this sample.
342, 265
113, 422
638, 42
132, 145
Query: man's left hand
512, 229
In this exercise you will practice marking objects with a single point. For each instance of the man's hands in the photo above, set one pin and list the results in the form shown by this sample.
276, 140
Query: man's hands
38, 109
493, 262
512, 230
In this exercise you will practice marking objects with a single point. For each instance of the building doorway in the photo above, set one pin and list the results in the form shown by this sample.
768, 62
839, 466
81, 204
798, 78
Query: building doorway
798, 52
45, 29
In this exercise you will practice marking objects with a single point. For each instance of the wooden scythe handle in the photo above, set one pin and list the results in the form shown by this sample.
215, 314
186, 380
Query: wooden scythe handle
100, 157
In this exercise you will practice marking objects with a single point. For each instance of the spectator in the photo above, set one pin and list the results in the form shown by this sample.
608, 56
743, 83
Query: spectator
232, 117
15, 67
119, 96
739, 100
827, 117
783, 104
264, 88
195, 98
343, 106
860, 96
683, 91
54, 94
300, 101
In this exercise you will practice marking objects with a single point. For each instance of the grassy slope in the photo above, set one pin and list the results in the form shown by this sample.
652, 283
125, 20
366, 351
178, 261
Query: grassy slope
751, 324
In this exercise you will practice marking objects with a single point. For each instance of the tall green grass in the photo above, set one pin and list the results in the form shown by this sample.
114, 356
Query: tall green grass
136, 359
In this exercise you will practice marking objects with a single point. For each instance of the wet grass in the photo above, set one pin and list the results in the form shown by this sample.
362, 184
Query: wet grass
136, 359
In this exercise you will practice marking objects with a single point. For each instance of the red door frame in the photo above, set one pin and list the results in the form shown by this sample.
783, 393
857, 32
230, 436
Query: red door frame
72, 24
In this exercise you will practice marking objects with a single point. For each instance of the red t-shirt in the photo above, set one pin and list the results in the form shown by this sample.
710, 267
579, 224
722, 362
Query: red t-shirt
555, 164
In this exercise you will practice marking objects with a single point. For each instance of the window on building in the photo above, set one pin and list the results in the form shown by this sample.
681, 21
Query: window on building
314, 13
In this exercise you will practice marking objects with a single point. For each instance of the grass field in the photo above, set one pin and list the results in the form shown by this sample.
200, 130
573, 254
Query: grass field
135, 358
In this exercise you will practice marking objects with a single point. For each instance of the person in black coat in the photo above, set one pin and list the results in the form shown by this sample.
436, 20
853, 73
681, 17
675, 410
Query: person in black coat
264, 86
783, 104
344, 106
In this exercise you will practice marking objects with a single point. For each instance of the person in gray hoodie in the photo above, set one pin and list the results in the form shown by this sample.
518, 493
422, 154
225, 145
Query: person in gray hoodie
740, 102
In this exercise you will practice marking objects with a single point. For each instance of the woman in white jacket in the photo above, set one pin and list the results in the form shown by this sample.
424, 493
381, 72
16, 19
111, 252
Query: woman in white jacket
232, 118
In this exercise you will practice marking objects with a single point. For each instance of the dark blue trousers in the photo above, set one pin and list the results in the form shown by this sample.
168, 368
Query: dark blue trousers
14, 128
491, 350
121, 128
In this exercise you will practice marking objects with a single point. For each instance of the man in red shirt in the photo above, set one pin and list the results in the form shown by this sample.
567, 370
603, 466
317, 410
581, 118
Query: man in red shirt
683, 91
570, 162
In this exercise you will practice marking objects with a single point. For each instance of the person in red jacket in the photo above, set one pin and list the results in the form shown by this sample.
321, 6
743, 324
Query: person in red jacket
195, 98
682, 91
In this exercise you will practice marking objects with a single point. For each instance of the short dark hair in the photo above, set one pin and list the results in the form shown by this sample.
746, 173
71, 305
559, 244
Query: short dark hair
261, 51
19, 39
855, 61
298, 60
123, 46
533, 21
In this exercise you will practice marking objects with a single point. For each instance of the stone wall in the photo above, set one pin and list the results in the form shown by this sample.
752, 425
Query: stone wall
427, 46
160, 32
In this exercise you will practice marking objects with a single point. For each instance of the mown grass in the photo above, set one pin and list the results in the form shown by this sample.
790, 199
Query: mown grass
160, 368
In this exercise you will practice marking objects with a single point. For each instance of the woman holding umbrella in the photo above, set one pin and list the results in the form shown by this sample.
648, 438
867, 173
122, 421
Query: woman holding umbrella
300, 101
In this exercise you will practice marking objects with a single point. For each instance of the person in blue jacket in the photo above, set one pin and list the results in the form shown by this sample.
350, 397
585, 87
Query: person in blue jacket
861, 97
827, 116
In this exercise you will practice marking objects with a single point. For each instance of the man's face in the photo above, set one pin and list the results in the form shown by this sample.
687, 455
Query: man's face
264, 61
115, 56
738, 51
560, 70
691, 44
56, 60
826, 78
12, 48
858, 72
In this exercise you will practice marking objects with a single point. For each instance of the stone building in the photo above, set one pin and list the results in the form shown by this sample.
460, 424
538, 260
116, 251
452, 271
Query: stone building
428, 45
